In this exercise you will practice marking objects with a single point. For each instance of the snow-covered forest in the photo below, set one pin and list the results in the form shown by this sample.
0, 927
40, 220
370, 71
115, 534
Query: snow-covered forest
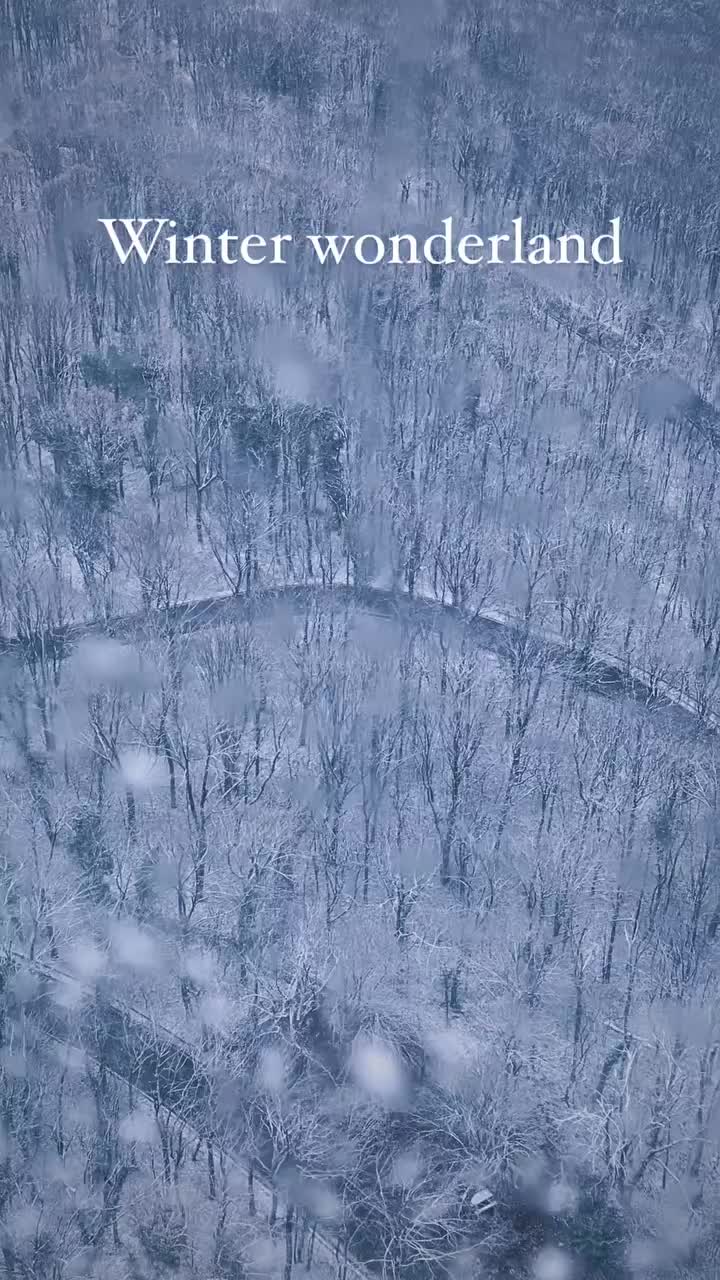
359, 648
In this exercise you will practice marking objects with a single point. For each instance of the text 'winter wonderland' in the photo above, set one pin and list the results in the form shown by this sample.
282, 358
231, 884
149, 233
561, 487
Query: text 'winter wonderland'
158, 239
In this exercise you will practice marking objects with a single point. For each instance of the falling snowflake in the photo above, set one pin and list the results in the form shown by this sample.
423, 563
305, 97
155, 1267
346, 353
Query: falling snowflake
138, 1126
215, 1012
139, 769
70, 1057
133, 947
271, 1070
107, 661
378, 1071
552, 1264
263, 1255
13, 1064
24, 984
406, 1170
562, 1199
321, 1201
451, 1053
86, 961
199, 966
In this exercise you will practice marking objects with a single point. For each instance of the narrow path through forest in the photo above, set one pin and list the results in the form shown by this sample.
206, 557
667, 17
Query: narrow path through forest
603, 674
165, 1069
